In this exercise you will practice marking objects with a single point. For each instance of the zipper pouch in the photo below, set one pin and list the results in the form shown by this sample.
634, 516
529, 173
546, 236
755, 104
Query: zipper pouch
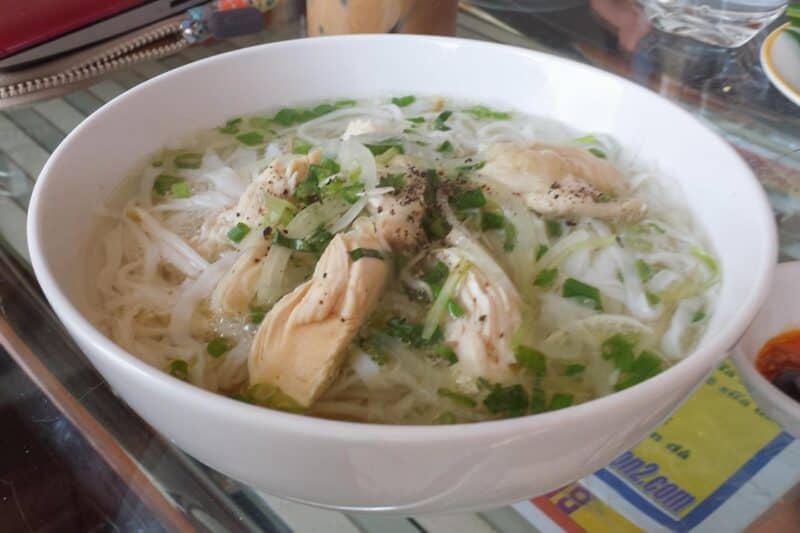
220, 19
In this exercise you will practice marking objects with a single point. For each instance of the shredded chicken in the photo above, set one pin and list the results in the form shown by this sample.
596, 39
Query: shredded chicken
235, 291
302, 341
563, 181
398, 215
482, 337
279, 179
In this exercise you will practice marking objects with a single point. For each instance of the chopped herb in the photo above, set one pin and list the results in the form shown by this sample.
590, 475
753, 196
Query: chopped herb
491, 221
531, 359
474, 166
286, 117
179, 369
398, 181
272, 397
344, 103
468, 199
586, 139
443, 351
538, 401
164, 182
238, 232
360, 253
446, 418
299, 146
644, 367
416, 120
375, 345
404, 101
553, 228
251, 138
218, 346
256, 314
560, 400
619, 349
657, 228
574, 370
349, 192
181, 189
461, 399
582, 293
511, 236
545, 278
644, 270
385, 146
698, 316
388, 155
653, 299
597, 152
454, 309
436, 276
315, 244
541, 251
435, 225
231, 127
445, 147
189, 160
483, 383
438, 123
508, 401
322, 109
482, 112
410, 333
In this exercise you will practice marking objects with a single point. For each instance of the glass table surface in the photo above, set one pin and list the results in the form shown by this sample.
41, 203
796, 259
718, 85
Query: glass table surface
136, 480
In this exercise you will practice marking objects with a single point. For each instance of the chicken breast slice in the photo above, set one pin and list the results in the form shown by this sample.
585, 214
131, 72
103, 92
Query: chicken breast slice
398, 215
360, 126
235, 291
482, 337
563, 181
302, 341
279, 179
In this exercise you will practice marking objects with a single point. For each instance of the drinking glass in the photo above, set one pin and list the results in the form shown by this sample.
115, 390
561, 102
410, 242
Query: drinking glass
726, 23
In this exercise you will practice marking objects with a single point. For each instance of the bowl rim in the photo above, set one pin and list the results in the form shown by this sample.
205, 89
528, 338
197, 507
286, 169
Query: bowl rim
785, 274
722, 340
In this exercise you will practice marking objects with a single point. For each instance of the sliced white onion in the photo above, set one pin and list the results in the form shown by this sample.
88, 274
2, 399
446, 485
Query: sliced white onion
349, 216
353, 155
270, 287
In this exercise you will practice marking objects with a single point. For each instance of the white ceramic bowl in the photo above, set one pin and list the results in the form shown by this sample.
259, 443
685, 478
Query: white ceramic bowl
781, 312
384, 468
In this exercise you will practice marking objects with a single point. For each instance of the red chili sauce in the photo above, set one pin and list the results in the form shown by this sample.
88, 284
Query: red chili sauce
779, 354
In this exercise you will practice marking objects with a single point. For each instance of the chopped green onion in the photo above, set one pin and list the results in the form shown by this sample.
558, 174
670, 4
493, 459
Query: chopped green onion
574, 370
446, 353
445, 147
457, 397
511, 236
619, 349
398, 181
541, 251
375, 344
538, 401
438, 123
218, 346
474, 166
314, 244
439, 306
286, 117
531, 359
435, 225
181, 189
189, 160
582, 293
416, 120
251, 138
492, 221
710, 263
698, 315
256, 314
360, 253
238, 232
260, 123
644, 367
307, 190
560, 400
508, 401
322, 109
436, 274
278, 212
545, 278
179, 369
553, 228
299, 146
385, 146
164, 182
644, 270
468, 199
454, 309
231, 127
482, 112
410, 333
597, 152
653, 299
404, 101
344, 103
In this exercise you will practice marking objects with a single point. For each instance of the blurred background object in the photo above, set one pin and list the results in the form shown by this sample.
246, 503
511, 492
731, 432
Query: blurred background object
329, 17
725, 23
